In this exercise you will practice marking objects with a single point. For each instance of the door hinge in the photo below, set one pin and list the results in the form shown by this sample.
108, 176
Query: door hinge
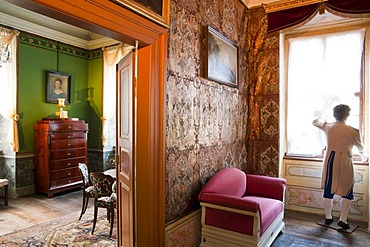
116, 159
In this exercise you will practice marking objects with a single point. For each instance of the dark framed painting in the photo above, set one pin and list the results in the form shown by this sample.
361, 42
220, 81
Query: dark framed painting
222, 59
154, 10
58, 85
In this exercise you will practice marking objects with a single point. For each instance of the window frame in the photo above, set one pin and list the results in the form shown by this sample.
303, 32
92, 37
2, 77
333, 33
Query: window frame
349, 25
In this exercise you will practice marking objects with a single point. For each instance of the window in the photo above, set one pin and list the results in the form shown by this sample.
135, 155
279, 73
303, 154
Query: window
322, 71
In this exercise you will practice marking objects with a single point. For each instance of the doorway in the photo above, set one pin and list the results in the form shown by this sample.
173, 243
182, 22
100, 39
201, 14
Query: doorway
106, 18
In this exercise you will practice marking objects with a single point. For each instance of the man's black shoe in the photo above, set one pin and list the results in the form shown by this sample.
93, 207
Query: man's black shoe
343, 225
328, 221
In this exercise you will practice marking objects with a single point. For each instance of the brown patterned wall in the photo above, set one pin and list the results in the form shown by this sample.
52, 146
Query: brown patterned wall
211, 126
206, 121
263, 104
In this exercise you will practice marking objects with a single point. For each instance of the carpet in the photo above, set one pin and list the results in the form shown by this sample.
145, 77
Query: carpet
64, 232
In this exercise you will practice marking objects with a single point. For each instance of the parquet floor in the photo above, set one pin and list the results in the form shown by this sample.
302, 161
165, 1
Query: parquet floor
301, 229
31, 210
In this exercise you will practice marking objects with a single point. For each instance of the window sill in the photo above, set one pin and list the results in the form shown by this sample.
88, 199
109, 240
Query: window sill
356, 161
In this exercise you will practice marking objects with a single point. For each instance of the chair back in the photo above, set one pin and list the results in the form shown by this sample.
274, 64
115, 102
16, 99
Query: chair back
102, 183
82, 167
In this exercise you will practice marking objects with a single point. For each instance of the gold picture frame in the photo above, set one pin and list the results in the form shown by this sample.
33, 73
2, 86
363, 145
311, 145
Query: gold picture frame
57, 85
155, 10
222, 59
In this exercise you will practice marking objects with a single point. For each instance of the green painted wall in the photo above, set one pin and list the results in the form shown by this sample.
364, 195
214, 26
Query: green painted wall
96, 101
86, 88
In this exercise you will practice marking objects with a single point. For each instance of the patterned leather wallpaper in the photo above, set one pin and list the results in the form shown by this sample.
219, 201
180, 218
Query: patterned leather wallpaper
206, 121
212, 126
263, 101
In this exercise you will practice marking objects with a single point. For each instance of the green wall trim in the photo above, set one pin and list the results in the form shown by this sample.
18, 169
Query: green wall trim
35, 40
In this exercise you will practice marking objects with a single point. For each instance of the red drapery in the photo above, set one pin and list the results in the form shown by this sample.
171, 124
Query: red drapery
287, 18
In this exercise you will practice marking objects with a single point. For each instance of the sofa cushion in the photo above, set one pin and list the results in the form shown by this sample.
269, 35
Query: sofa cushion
242, 203
269, 209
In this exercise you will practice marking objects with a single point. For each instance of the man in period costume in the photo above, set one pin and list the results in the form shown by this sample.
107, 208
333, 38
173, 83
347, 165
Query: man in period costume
338, 171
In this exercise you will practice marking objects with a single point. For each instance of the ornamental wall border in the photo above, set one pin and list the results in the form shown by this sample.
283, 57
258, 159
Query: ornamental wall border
288, 4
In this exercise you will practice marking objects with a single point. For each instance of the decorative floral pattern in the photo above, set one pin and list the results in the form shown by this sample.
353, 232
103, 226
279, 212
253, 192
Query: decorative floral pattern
263, 103
210, 126
206, 121
312, 198
65, 231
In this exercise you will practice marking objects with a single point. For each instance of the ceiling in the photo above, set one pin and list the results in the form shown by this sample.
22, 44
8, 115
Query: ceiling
25, 20
28, 21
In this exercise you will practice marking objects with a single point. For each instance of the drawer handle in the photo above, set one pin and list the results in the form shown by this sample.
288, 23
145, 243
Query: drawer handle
69, 136
69, 181
69, 127
69, 154
69, 144
69, 164
69, 174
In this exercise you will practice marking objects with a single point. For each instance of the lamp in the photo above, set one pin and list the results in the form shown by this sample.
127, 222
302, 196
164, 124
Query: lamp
61, 105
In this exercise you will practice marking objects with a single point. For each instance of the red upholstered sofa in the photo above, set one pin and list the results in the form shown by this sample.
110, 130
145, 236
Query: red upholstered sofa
240, 209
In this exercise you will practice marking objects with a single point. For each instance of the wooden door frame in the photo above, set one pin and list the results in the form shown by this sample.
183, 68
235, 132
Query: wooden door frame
108, 19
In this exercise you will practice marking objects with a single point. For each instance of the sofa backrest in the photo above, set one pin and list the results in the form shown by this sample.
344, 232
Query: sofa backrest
229, 181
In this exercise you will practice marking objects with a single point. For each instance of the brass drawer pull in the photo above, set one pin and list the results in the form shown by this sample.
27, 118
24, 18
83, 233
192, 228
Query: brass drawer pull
69, 174
69, 154
69, 164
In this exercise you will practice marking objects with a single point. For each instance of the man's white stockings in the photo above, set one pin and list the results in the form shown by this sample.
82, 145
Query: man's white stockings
344, 209
328, 206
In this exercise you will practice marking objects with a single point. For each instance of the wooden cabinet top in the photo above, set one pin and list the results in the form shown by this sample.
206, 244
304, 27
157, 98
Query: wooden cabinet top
61, 124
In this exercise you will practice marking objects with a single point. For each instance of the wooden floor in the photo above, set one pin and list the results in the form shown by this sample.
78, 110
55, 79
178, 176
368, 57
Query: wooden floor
32, 210
301, 229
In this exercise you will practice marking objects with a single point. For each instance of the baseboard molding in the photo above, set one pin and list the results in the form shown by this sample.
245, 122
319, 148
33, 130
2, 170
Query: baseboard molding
185, 231
22, 191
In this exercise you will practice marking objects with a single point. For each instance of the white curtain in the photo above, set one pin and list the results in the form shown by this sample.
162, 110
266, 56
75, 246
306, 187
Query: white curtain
111, 56
8, 86
323, 71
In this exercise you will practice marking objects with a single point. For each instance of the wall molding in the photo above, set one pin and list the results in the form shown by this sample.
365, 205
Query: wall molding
288, 4
185, 231
42, 31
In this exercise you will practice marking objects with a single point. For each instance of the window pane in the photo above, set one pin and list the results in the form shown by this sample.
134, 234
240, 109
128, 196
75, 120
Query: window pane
323, 71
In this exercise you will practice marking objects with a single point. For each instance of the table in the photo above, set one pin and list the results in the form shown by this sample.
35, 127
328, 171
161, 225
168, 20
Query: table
111, 172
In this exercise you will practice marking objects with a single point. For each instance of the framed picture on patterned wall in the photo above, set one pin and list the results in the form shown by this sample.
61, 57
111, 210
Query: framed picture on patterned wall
155, 10
58, 85
222, 59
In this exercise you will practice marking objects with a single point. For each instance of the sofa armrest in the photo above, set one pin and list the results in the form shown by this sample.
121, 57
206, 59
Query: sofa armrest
242, 203
264, 186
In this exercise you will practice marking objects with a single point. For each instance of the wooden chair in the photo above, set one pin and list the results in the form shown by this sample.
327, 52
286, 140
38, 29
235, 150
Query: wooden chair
4, 183
88, 189
104, 197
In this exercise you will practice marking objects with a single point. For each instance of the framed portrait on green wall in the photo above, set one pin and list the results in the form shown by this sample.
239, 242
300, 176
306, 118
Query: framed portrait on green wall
57, 86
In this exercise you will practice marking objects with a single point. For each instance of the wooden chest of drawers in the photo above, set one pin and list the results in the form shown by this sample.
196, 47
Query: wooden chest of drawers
60, 144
